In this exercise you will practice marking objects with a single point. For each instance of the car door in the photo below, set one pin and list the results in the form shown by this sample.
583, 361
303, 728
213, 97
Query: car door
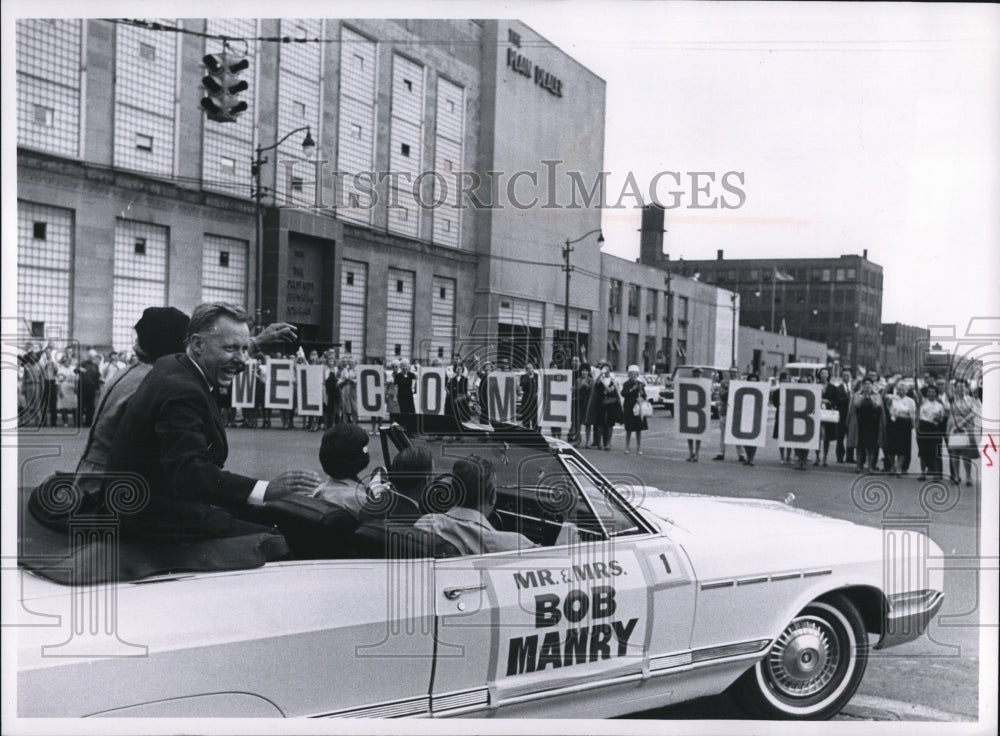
523, 633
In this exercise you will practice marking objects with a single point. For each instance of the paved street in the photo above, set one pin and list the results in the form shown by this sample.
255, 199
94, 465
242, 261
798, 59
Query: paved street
934, 678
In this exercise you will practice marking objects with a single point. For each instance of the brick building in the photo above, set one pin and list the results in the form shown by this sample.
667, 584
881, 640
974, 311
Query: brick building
837, 301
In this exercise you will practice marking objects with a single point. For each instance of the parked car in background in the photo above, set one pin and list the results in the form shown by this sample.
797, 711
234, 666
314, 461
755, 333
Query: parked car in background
653, 391
665, 382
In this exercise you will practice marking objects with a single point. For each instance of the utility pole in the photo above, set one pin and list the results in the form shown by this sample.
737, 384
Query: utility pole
568, 269
732, 298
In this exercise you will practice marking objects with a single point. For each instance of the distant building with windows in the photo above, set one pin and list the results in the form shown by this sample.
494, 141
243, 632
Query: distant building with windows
902, 348
837, 301
129, 197
659, 321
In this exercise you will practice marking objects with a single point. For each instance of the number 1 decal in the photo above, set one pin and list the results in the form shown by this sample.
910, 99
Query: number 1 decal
665, 563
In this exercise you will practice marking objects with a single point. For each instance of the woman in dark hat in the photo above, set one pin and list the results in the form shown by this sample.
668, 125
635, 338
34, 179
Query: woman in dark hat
160, 331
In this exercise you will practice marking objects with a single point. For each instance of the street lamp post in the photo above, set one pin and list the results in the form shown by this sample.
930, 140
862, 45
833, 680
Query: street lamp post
258, 194
568, 268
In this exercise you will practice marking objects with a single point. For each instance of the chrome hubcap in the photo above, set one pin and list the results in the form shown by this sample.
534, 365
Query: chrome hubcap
804, 658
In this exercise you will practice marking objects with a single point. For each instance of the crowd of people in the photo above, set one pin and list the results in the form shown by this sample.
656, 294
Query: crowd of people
58, 387
867, 419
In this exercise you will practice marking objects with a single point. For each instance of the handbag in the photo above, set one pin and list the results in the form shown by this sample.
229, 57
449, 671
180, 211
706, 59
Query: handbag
829, 416
960, 439
642, 409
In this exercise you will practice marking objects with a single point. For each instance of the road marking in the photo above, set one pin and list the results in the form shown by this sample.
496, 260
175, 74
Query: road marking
903, 710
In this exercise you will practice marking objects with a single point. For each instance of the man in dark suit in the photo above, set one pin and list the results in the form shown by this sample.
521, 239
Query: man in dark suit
172, 435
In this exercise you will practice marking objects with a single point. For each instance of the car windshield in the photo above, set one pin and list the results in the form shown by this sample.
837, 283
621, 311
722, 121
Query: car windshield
540, 482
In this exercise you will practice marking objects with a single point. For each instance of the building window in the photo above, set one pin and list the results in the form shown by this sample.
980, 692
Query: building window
227, 164
851, 274
349, 278
297, 183
348, 345
404, 214
633, 300
44, 257
44, 116
448, 165
48, 79
615, 296
405, 149
143, 142
140, 246
445, 225
399, 286
224, 258
408, 84
300, 109
147, 52
357, 131
839, 274
359, 62
443, 294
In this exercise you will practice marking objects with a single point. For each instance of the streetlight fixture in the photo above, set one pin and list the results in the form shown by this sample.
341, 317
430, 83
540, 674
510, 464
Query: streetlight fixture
568, 268
308, 144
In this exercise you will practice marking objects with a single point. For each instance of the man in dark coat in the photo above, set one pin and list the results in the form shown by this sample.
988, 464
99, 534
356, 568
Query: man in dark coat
172, 436
90, 384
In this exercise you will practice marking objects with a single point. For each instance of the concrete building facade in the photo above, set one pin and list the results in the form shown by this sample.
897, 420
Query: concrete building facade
766, 353
128, 196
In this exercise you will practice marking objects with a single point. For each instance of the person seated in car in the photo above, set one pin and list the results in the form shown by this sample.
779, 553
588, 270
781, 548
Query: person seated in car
466, 525
399, 499
343, 453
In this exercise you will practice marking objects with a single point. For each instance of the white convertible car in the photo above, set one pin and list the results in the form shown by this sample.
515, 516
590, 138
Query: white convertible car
661, 598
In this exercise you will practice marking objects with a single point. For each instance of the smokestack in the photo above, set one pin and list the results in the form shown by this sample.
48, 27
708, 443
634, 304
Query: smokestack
718, 255
864, 254
651, 235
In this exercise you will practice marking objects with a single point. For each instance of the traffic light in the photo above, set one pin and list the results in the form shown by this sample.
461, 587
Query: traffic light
223, 85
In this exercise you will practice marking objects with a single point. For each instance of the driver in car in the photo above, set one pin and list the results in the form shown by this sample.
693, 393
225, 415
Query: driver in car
466, 525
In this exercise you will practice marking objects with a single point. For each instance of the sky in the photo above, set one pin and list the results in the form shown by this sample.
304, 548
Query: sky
856, 126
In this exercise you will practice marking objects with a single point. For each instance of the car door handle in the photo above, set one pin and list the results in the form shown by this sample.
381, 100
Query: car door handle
453, 593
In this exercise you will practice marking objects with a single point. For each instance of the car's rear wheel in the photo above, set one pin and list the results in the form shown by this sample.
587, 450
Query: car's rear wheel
812, 669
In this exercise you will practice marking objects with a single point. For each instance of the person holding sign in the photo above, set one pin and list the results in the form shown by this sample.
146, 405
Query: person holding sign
865, 425
406, 387
784, 452
582, 388
750, 451
899, 432
457, 393
605, 409
633, 394
694, 444
734, 375
963, 432
932, 419
527, 413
